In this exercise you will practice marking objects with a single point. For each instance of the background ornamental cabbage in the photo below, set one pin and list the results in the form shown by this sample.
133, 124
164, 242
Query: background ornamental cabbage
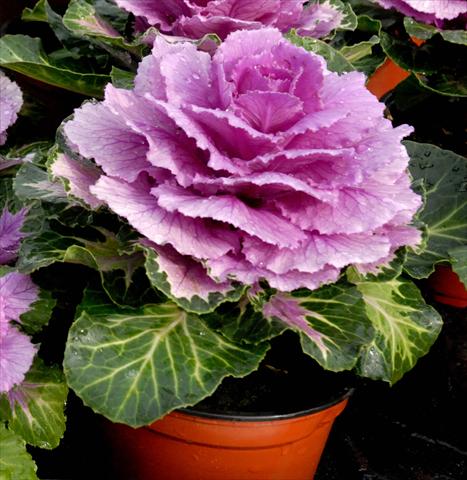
256, 163
428, 11
17, 293
195, 18
11, 100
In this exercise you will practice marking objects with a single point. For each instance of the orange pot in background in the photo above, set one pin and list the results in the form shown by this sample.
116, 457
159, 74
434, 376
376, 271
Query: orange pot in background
447, 288
386, 78
198, 446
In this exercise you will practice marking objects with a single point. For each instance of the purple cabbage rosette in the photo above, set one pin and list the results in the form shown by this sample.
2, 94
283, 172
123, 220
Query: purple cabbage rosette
17, 294
196, 18
435, 12
255, 163
11, 100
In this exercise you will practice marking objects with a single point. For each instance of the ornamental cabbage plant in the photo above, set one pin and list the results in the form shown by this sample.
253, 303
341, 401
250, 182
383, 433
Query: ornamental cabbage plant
196, 18
261, 186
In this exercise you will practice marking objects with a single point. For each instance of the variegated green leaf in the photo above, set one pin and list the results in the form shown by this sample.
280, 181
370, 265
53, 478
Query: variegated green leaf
35, 408
240, 322
122, 78
406, 327
25, 55
455, 36
39, 313
424, 31
15, 461
354, 53
134, 366
33, 183
381, 273
332, 322
82, 19
186, 282
113, 258
42, 12
444, 179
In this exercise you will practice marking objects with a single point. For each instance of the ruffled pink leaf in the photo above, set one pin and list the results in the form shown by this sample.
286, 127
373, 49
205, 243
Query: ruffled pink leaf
189, 236
16, 356
17, 294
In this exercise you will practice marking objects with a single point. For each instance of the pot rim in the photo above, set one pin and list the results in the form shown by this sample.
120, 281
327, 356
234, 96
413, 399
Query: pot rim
233, 417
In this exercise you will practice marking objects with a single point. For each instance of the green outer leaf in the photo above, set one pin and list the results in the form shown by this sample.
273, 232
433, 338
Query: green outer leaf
368, 24
356, 52
122, 78
134, 366
383, 273
195, 304
455, 36
425, 32
39, 313
25, 55
337, 312
42, 12
240, 322
35, 152
15, 461
33, 183
36, 14
406, 327
337, 322
82, 19
42, 250
38, 417
114, 259
109, 11
459, 262
444, 175
335, 60
7, 196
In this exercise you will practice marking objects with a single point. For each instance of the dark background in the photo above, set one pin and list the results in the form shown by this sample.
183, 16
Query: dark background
416, 430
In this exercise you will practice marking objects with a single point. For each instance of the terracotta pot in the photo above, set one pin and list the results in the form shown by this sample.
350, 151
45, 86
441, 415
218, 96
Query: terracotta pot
186, 445
447, 288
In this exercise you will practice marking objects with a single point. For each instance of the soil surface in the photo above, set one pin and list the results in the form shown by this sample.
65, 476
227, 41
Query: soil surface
286, 382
